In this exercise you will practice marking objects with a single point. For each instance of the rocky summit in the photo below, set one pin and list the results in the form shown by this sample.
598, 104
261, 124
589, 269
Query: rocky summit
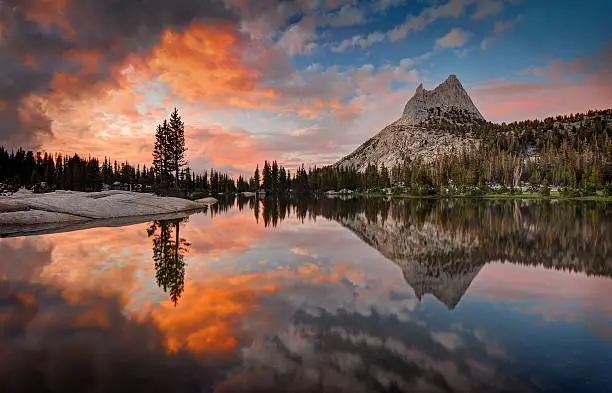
418, 134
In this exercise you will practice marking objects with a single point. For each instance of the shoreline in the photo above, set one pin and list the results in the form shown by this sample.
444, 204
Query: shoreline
27, 213
525, 196
23, 230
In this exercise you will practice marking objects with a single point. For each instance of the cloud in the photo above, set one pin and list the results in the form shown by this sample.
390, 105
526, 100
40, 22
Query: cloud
499, 29
507, 101
488, 8
205, 64
43, 39
299, 38
347, 15
590, 69
561, 69
412, 23
454, 38
23, 259
451, 9
450, 341
228, 148
359, 40
426, 17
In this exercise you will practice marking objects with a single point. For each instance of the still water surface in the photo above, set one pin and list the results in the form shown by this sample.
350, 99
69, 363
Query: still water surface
356, 296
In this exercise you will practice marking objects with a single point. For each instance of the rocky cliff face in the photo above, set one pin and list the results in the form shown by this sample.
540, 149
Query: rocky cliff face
417, 134
447, 101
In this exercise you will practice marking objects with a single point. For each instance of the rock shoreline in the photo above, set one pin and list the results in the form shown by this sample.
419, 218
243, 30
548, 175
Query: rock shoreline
30, 211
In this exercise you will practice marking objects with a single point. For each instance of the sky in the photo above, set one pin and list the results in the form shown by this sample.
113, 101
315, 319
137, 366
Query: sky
303, 81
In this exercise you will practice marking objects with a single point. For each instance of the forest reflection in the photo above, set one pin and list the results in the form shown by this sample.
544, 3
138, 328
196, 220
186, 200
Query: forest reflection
568, 235
169, 250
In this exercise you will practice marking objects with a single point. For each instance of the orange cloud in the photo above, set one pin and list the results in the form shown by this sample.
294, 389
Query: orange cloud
214, 309
223, 147
208, 65
103, 119
204, 64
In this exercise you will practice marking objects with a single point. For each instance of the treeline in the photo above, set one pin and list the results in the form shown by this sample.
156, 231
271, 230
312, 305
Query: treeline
76, 173
275, 179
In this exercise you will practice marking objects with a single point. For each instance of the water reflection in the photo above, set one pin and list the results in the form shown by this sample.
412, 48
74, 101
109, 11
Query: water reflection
310, 296
169, 250
574, 236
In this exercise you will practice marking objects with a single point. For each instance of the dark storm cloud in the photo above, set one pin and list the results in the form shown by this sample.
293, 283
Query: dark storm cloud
39, 39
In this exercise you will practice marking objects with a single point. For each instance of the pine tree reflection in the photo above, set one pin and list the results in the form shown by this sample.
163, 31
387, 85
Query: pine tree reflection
169, 250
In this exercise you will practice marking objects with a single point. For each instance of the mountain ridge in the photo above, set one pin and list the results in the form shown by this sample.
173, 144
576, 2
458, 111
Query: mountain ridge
416, 135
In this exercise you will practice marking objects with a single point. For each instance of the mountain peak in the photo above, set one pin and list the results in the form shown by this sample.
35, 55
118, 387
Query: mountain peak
452, 78
448, 100
421, 132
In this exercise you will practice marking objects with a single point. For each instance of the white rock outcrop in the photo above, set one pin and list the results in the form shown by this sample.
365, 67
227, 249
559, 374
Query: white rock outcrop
207, 201
26, 209
417, 133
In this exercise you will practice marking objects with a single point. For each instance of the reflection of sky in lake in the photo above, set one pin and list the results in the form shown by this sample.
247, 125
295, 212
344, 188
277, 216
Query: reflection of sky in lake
308, 302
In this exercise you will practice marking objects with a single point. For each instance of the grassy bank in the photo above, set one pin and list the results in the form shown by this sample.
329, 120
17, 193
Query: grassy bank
599, 197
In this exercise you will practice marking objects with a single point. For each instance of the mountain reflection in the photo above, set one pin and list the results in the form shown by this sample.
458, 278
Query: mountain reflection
169, 250
441, 245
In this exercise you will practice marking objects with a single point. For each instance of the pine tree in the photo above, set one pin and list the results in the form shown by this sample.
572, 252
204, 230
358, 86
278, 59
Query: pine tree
160, 158
176, 145
267, 177
274, 177
256, 178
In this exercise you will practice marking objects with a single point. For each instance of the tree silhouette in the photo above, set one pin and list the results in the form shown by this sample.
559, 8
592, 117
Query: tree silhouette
176, 145
169, 251
169, 152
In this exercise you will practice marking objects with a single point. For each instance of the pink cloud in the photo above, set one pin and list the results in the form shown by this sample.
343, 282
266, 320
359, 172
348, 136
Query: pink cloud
509, 101
454, 38
549, 290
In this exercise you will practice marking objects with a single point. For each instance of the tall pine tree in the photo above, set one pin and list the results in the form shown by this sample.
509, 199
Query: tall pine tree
176, 145
161, 166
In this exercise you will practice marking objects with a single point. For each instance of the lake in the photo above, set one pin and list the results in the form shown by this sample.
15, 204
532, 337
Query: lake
331, 295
